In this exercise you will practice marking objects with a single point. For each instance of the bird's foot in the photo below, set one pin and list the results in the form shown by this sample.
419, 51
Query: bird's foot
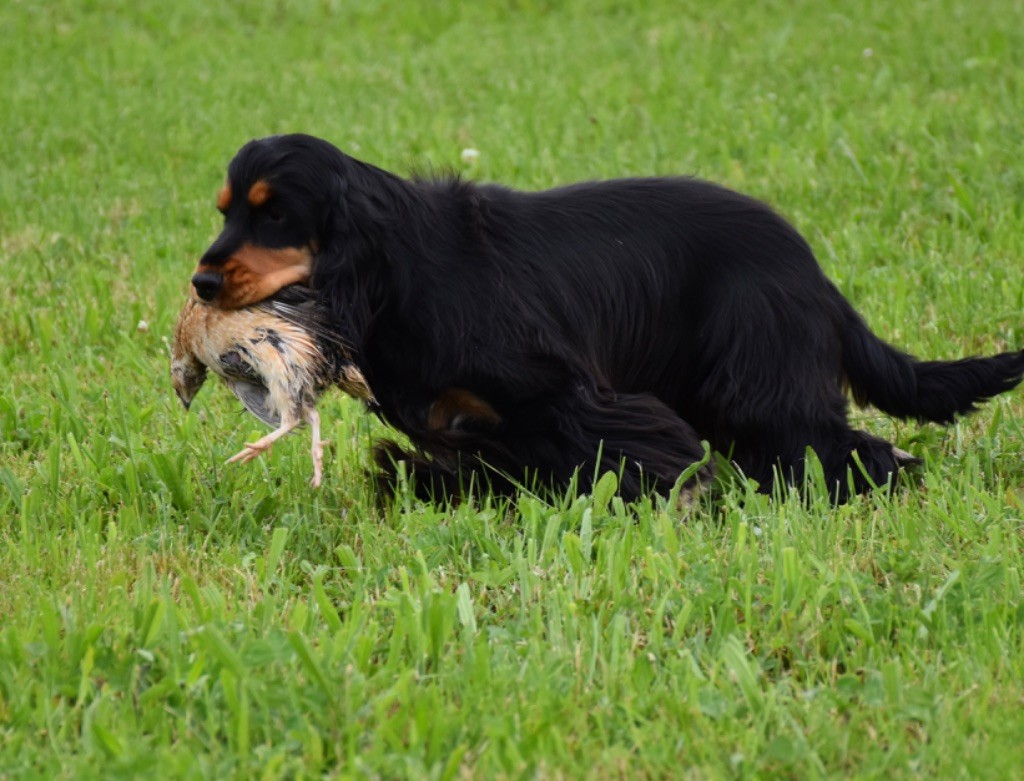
318, 463
252, 450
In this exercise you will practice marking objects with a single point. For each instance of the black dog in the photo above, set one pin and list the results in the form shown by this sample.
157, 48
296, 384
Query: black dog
605, 324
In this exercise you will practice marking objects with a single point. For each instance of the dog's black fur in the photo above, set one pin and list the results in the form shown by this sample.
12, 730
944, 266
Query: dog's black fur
530, 332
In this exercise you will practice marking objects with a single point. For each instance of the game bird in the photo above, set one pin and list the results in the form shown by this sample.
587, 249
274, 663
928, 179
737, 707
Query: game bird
277, 357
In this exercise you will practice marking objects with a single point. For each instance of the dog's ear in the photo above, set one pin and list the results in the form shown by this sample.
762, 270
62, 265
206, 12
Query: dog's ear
350, 261
357, 222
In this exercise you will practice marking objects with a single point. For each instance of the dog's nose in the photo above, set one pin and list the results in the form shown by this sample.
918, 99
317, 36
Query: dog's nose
207, 284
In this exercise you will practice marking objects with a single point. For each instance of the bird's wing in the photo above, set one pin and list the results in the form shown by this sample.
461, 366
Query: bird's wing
297, 304
255, 399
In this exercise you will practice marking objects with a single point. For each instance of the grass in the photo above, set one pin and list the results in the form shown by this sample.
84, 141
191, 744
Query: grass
164, 615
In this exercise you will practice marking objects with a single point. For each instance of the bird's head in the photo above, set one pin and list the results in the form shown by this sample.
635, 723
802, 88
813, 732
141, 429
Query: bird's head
187, 376
188, 373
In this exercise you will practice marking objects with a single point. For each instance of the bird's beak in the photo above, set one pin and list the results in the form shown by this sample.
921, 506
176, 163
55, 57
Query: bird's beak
185, 401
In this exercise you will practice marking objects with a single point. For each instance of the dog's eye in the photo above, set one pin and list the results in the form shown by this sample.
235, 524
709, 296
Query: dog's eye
274, 215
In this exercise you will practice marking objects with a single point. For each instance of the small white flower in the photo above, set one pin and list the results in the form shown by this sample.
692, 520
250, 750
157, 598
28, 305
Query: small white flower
470, 155
142, 326
868, 52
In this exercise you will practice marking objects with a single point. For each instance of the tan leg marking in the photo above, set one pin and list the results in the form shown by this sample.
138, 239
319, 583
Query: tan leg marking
455, 406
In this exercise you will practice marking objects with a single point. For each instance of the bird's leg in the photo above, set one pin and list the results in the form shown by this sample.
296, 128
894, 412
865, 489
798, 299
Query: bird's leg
313, 418
253, 449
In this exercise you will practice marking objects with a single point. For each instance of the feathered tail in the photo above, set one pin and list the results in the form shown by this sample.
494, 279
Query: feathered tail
937, 391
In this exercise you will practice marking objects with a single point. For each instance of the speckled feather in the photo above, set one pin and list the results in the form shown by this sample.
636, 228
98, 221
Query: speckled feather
277, 357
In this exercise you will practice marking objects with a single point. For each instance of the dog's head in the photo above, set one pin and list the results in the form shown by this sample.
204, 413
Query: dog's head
287, 201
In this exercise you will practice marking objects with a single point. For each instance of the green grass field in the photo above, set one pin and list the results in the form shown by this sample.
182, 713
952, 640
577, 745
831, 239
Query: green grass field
163, 615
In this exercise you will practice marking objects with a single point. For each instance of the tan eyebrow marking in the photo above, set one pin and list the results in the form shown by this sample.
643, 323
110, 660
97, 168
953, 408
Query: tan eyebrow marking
259, 193
224, 197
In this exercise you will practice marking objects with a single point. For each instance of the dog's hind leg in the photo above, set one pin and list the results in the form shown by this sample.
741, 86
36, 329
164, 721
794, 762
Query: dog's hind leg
852, 461
869, 462
771, 387
855, 462
633, 434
